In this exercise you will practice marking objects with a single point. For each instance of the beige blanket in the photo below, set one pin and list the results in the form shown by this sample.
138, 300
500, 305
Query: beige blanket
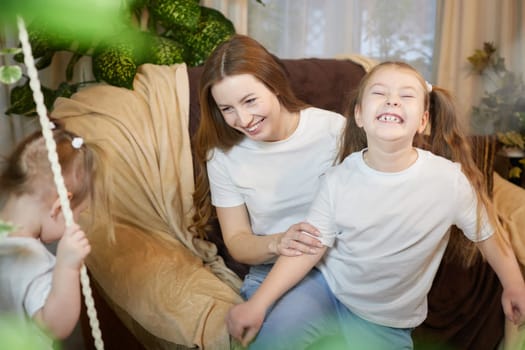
172, 284
510, 203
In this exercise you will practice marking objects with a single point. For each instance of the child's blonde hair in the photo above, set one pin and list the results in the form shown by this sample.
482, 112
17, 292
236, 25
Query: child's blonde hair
28, 171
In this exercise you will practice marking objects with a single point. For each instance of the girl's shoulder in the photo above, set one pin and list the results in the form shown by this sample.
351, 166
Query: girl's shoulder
437, 160
29, 247
18, 241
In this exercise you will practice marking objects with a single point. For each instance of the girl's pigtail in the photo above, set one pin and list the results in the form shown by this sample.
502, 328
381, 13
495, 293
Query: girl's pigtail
353, 138
101, 200
448, 139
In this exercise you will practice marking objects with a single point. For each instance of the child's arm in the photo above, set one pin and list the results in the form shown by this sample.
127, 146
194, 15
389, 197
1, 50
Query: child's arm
61, 311
506, 267
245, 320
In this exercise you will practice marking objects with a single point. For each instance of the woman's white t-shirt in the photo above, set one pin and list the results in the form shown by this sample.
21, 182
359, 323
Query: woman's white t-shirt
277, 181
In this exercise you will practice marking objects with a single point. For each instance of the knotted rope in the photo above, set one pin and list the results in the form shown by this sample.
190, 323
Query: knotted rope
41, 110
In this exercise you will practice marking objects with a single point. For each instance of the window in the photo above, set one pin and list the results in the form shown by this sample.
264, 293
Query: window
381, 29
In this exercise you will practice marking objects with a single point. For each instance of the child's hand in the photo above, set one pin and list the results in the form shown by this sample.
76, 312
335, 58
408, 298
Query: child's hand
73, 247
513, 300
244, 321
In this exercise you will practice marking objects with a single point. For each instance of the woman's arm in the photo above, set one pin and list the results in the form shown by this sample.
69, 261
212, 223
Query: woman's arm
248, 248
505, 265
244, 320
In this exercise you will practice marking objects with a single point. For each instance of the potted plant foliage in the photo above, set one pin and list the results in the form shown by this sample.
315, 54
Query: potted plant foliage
161, 32
501, 110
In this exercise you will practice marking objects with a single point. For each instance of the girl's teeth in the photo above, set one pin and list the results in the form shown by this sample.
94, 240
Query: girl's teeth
389, 118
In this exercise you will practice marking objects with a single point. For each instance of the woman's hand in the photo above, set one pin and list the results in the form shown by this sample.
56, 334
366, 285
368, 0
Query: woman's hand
298, 239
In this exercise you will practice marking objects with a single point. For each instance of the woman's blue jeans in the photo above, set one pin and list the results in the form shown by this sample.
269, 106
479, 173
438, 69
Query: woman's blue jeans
304, 315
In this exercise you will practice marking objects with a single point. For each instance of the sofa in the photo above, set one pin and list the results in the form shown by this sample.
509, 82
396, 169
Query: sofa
158, 287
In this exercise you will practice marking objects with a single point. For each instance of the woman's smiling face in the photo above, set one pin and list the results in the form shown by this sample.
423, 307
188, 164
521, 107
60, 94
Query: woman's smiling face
247, 105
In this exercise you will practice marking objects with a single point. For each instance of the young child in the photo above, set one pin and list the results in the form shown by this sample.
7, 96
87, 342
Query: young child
34, 284
386, 211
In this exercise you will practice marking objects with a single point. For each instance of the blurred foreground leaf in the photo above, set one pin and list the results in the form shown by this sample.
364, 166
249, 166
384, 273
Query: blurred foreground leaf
89, 18
10, 74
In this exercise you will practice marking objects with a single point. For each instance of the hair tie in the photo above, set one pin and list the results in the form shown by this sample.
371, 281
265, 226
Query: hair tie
77, 142
429, 86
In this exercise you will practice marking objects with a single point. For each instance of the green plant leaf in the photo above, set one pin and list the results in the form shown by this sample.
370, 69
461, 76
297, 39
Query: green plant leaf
86, 18
164, 51
22, 103
502, 106
10, 74
176, 13
10, 51
511, 139
116, 65
213, 29
515, 172
45, 61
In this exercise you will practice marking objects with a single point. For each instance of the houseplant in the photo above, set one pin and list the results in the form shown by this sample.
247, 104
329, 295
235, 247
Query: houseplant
501, 110
147, 31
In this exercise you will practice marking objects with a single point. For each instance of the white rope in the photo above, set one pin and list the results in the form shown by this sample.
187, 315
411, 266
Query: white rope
41, 110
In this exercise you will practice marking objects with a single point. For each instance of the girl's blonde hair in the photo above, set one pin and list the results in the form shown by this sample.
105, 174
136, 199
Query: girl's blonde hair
446, 138
238, 55
28, 170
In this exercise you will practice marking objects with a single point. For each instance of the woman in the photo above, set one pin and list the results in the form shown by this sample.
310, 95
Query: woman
260, 153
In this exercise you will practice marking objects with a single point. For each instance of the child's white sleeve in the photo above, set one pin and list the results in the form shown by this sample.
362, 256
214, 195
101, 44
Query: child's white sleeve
322, 213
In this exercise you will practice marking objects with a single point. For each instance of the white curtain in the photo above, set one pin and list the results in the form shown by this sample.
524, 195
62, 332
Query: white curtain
309, 28
380, 29
463, 27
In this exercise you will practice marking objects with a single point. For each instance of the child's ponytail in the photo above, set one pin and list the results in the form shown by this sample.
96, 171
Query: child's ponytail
449, 139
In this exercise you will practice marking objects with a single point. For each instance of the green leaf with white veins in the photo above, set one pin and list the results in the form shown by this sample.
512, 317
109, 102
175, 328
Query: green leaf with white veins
10, 74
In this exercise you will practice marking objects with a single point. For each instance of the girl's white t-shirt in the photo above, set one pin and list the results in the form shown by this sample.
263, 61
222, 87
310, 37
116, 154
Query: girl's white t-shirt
26, 273
391, 231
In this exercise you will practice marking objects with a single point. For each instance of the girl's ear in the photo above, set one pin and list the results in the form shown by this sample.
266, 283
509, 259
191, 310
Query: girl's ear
56, 208
423, 122
357, 116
